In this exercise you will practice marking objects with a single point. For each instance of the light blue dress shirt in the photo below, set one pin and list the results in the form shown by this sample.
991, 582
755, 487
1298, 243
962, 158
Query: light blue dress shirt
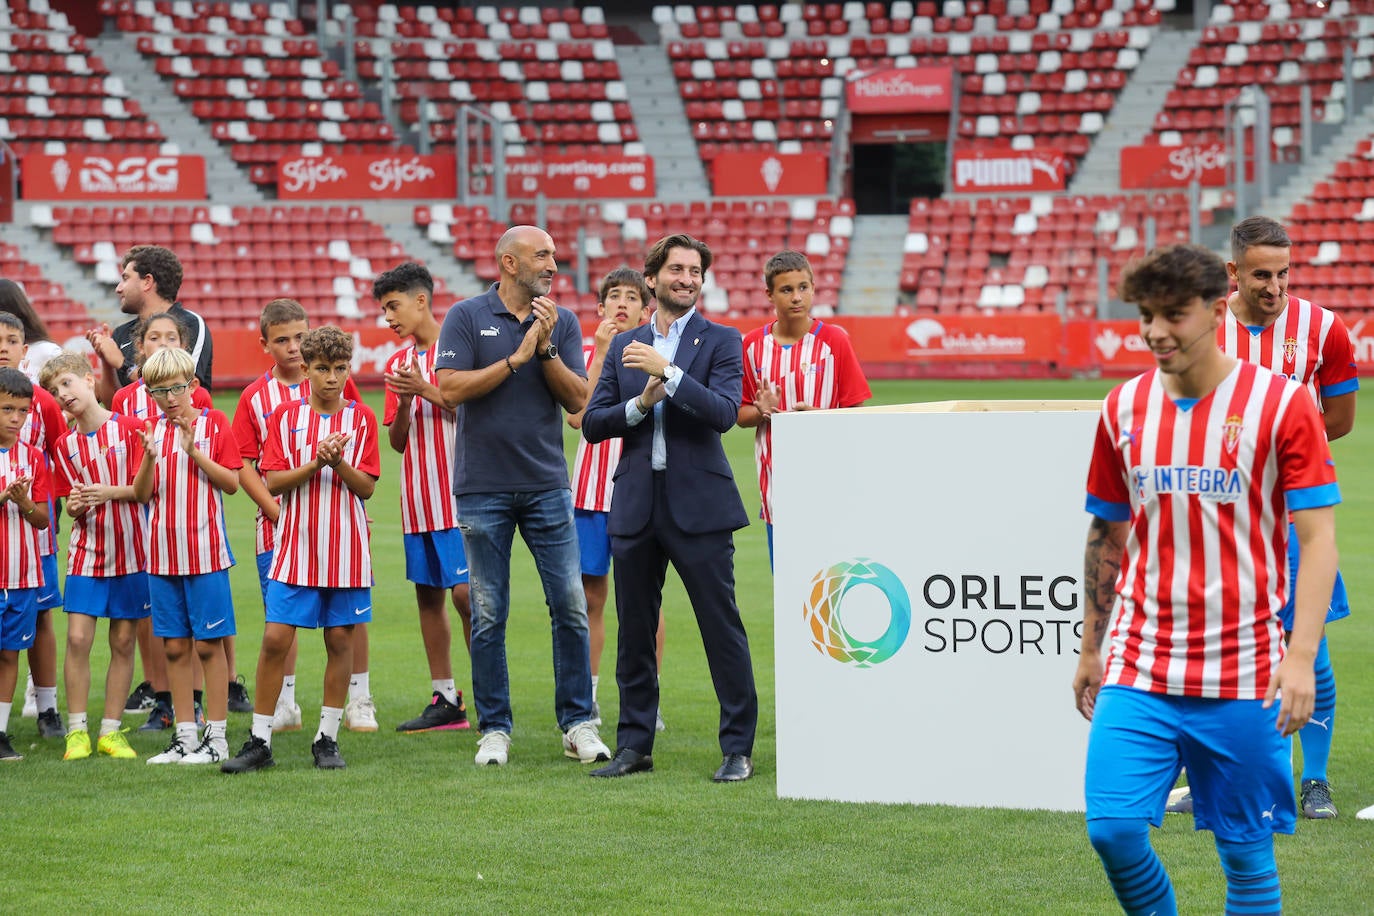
666, 345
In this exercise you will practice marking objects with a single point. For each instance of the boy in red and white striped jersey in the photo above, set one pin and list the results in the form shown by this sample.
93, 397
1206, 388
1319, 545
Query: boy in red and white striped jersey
1268, 326
422, 429
24, 489
620, 304
1196, 467
190, 459
107, 553
795, 362
283, 324
42, 428
157, 332
321, 457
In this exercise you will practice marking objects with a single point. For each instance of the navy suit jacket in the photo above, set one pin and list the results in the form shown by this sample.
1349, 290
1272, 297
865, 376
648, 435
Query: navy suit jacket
701, 491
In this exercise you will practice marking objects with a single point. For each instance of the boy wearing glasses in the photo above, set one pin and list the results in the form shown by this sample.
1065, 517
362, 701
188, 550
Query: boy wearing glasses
189, 459
23, 514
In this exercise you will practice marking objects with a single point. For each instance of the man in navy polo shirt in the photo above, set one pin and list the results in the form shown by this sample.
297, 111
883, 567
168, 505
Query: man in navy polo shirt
512, 358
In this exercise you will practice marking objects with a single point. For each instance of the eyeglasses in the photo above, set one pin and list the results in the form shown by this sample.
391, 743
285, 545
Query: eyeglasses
170, 390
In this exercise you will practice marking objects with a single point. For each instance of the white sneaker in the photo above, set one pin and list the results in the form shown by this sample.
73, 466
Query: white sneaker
581, 742
175, 753
360, 715
1365, 814
30, 699
494, 748
286, 718
214, 749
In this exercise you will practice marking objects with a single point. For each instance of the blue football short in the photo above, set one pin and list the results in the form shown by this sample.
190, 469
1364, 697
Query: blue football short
18, 617
1239, 766
1340, 601
264, 567
313, 607
199, 606
593, 543
436, 558
114, 597
50, 595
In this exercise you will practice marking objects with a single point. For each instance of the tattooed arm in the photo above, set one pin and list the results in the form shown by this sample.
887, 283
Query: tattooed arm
1101, 564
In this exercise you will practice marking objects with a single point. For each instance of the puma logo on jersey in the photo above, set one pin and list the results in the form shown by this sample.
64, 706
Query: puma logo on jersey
1268, 815
492, 331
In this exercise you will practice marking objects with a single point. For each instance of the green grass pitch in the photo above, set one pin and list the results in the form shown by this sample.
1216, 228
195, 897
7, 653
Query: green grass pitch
413, 826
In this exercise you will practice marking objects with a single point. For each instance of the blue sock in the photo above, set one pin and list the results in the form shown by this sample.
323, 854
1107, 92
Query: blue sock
1137, 876
1252, 877
1316, 734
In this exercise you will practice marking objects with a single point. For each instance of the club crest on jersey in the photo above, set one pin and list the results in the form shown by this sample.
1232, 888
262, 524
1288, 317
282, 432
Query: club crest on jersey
1290, 350
1230, 433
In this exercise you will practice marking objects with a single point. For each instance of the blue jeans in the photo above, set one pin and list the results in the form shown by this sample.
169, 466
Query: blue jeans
545, 518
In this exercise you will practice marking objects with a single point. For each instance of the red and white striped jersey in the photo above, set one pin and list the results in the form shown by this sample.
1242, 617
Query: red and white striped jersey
595, 463
1206, 491
133, 400
256, 405
109, 539
20, 542
1306, 343
322, 535
820, 371
45, 425
186, 534
427, 500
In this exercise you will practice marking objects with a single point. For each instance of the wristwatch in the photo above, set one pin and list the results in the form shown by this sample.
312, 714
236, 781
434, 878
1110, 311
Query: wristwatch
670, 372
550, 353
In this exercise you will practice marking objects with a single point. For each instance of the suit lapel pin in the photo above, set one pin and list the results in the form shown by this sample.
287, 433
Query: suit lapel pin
696, 341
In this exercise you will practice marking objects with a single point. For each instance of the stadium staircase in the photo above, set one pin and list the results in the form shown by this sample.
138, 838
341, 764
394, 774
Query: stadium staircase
1132, 118
56, 265
1323, 162
873, 268
659, 111
398, 218
224, 180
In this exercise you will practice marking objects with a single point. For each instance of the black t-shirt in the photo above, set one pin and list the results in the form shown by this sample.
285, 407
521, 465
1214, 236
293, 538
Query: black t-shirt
198, 343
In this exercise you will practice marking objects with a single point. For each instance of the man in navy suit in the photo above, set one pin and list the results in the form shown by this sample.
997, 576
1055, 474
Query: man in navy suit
669, 389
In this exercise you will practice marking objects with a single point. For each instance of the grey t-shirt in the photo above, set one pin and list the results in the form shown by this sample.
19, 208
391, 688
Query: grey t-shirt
510, 440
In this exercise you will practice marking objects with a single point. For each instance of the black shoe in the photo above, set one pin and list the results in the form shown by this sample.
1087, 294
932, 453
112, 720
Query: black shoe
7, 751
142, 699
327, 756
734, 768
1180, 801
439, 715
160, 719
254, 755
50, 724
625, 762
238, 696
1316, 800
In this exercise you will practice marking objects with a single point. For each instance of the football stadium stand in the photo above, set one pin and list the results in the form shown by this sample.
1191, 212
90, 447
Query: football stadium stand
267, 85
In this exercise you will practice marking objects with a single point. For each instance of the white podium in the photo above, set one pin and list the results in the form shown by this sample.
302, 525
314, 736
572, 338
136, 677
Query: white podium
928, 602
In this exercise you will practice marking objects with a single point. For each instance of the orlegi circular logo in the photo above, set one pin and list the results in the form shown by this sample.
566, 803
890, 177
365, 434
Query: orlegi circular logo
823, 612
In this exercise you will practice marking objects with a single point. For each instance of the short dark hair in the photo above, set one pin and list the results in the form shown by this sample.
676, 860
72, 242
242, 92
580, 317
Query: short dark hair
409, 277
1255, 231
14, 302
783, 262
281, 311
183, 329
12, 321
1175, 275
15, 384
658, 255
624, 276
327, 343
160, 264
